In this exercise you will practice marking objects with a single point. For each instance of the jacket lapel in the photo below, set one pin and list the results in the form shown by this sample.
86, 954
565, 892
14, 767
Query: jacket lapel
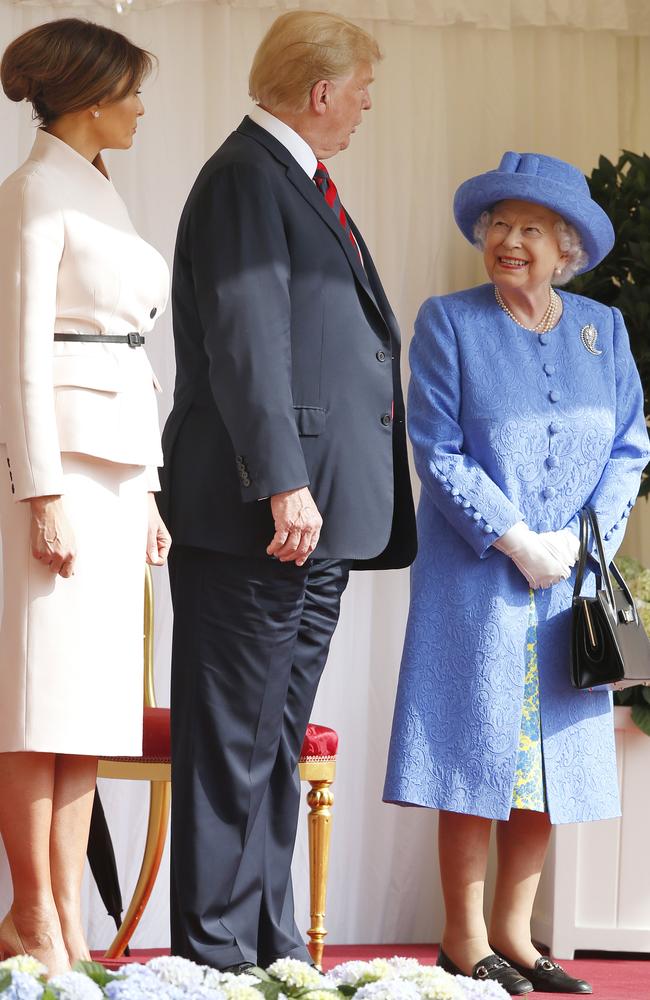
307, 188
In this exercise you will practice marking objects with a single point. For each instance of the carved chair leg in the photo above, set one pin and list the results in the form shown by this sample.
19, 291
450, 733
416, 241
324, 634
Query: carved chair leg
320, 801
159, 804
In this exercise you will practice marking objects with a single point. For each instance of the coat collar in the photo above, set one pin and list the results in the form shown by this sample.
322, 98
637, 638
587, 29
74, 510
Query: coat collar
48, 148
312, 195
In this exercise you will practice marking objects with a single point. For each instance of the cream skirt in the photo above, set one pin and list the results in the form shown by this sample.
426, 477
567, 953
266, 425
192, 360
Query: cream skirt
71, 650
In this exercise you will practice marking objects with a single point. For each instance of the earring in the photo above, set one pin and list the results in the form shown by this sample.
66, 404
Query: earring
95, 114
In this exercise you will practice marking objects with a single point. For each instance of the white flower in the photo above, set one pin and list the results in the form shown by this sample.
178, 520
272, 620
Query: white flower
22, 987
24, 963
406, 968
351, 973
294, 973
176, 971
76, 986
321, 994
434, 983
240, 991
480, 989
388, 989
381, 968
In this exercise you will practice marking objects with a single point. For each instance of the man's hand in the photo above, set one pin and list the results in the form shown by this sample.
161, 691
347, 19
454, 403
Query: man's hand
52, 538
297, 526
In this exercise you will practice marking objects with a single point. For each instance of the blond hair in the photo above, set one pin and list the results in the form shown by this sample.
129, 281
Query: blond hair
301, 48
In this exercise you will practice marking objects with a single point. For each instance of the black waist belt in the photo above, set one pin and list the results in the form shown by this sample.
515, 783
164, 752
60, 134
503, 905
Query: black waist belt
132, 339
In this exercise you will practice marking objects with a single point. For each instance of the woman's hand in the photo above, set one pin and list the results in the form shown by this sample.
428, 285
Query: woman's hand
52, 537
539, 561
564, 543
158, 538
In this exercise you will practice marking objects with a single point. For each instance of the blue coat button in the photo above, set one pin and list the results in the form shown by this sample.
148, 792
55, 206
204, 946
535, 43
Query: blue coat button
555, 427
477, 516
543, 338
488, 529
549, 492
552, 462
554, 395
455, 491
466, 504
549, 369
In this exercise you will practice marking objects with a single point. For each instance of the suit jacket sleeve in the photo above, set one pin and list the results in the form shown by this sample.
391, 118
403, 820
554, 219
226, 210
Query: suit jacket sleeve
618, 485
30, 251
241, 268
471, 501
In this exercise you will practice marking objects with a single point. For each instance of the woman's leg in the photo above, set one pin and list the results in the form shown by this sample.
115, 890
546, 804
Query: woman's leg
462, 849
74, 789
522, 842
26, 794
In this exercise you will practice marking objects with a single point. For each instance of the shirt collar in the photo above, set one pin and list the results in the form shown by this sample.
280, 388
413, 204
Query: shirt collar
294, 143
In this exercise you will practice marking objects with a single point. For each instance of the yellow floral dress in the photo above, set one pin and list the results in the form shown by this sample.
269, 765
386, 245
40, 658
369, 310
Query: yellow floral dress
528, 792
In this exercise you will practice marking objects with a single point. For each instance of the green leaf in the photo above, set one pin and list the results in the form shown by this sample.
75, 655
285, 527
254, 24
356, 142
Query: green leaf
98, 973
346, 990
5, 979
271, 990
50, 994
260, 973
641, 717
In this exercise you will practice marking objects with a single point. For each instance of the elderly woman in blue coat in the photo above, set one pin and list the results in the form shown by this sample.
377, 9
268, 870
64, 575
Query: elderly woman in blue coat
525, 405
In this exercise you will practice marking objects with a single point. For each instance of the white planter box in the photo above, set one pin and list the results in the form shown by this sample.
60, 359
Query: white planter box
595, 888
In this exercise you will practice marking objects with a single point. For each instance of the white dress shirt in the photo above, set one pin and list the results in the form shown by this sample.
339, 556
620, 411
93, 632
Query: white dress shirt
299, 149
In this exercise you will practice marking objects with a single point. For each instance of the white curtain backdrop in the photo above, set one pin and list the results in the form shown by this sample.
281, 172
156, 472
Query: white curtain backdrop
462, 81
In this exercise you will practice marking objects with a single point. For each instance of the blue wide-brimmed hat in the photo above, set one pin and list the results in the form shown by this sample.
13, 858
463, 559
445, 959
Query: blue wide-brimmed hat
546, 181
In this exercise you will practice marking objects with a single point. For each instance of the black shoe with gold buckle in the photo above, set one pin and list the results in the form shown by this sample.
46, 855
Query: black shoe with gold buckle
492, 967
549, 977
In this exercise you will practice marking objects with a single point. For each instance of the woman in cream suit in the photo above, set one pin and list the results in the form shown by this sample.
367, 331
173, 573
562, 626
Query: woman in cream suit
79, 450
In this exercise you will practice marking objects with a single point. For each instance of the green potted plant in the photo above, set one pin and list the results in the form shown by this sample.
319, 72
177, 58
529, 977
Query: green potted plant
622, 189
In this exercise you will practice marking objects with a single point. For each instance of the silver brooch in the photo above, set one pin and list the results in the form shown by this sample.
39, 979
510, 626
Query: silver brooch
589, 336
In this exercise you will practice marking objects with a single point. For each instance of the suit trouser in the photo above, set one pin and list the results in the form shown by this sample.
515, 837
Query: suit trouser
251, 637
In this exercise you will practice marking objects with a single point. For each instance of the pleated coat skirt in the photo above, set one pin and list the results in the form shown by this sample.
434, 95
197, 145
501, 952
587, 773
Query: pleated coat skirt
71, 657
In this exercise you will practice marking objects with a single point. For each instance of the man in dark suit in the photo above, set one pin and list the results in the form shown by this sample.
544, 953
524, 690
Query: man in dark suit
285, 466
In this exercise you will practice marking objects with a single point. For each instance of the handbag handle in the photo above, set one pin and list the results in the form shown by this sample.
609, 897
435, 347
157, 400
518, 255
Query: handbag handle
588, 517
582, 558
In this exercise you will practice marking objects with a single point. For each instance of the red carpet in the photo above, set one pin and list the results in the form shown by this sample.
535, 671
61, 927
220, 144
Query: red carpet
613, 978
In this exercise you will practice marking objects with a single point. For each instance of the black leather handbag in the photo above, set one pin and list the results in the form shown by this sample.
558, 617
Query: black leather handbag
609, 644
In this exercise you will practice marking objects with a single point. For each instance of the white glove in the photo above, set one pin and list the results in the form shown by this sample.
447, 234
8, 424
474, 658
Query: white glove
563, 543
540, 562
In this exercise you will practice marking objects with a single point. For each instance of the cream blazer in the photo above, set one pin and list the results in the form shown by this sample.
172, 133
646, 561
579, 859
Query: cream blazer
71, 261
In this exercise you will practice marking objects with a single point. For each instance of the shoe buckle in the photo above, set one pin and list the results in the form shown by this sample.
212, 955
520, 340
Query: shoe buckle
481, 972
547, 965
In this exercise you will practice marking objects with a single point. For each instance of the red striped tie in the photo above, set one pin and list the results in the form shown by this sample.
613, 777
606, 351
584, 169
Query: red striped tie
327, 188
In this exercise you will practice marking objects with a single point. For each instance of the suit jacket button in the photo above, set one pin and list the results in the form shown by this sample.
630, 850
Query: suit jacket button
153, 313
380, 355
385, 419
245, 480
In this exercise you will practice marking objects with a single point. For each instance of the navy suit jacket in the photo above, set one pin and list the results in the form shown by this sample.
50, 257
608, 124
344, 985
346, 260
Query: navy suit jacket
287, 358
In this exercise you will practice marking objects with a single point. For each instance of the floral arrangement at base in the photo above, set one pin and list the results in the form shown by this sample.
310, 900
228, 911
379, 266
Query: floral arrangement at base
170, 978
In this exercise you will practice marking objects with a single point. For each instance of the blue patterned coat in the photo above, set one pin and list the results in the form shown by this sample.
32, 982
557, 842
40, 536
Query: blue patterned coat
508, 425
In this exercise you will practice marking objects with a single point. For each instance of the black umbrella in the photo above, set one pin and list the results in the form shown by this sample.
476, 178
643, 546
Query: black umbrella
101, 858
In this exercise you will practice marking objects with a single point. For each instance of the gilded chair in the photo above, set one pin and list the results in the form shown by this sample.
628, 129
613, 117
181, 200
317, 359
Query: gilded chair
317, 766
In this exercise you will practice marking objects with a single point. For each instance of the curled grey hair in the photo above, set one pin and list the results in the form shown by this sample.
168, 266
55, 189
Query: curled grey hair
568, 240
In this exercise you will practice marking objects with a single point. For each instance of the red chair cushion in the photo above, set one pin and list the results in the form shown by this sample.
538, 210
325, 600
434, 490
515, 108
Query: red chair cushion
320, 742
156, 737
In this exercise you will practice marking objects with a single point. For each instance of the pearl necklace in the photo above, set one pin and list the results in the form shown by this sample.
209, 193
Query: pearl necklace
546, 323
